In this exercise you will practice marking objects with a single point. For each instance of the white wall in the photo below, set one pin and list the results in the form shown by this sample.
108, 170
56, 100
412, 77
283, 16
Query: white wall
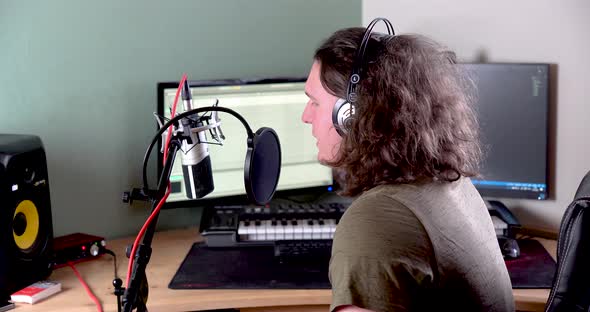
545, 31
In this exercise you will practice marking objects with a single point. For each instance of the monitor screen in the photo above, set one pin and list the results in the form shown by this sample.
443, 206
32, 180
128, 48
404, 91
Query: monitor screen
512, 106
275, 103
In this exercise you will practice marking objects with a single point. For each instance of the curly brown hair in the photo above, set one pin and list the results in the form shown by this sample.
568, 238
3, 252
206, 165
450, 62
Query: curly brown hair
414, 116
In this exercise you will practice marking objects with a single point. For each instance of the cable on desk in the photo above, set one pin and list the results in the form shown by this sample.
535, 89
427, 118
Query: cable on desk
117, 282
88, 290
112, 253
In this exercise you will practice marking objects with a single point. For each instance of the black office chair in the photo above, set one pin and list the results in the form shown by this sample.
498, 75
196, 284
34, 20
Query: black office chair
571, 285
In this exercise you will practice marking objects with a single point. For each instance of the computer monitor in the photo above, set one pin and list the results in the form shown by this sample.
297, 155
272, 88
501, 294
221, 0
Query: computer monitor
275, 103
512, 106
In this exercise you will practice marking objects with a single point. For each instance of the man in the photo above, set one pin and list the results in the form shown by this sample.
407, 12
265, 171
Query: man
418, 236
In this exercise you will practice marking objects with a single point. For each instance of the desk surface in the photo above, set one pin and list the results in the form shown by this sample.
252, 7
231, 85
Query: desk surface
169, 249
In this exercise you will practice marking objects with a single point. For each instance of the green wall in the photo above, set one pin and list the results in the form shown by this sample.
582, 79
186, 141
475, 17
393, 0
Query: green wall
82, 75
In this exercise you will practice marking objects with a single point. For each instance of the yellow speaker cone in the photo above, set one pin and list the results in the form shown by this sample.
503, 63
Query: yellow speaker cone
26, 237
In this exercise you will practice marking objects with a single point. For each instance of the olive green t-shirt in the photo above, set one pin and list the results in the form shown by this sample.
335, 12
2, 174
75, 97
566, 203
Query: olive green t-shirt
419, 247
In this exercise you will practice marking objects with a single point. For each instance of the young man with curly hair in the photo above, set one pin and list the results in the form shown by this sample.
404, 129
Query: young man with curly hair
418, 236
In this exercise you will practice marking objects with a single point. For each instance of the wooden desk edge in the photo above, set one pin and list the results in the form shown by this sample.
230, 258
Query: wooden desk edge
167, 257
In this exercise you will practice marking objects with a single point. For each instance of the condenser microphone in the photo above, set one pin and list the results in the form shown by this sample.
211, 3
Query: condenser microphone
196, 162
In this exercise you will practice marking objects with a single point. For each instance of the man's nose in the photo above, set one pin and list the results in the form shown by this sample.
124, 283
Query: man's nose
306, 117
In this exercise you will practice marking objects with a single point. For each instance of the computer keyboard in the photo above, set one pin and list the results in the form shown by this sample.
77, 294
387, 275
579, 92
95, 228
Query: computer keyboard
302, 250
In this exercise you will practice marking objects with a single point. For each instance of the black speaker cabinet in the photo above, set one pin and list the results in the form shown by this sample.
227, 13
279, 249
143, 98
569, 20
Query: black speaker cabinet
26, 235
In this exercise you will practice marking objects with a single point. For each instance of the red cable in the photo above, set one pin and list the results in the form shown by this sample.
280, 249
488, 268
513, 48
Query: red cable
172, 115
142, 231
163, 200
88, 291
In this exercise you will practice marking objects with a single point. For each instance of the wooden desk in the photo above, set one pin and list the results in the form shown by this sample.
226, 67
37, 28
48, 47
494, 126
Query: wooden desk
169, 249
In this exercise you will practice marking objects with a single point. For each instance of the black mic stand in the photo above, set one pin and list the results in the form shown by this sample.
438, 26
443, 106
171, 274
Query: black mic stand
136, 295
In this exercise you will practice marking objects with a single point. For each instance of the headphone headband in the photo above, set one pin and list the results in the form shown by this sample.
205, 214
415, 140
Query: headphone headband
357, 66
344, 109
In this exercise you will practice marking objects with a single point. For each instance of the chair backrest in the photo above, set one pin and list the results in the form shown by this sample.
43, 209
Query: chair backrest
571, 283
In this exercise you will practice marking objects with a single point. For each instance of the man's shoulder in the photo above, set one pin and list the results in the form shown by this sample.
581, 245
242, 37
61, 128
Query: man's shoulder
382, 199
378, 223
398, 194
427, 202
426, 195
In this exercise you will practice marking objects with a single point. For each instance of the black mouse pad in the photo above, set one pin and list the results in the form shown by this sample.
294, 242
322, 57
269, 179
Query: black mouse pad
534, 268
247, 268
257, 268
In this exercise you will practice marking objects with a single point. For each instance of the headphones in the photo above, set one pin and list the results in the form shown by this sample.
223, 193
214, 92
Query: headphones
344, 108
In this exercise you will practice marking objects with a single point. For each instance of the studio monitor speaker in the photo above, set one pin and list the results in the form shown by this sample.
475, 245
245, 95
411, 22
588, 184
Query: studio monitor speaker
26, 231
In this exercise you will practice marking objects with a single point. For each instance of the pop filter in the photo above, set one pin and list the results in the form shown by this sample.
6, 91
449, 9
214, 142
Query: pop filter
263, 165
263, 158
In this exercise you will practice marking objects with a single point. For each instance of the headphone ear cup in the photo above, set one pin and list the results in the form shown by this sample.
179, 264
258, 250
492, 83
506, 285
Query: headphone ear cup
342, 116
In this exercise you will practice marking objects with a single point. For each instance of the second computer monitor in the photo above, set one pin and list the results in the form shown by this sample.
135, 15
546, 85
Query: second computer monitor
512, 103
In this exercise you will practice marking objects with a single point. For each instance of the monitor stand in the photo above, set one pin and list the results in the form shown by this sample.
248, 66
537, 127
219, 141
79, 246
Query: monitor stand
505, 223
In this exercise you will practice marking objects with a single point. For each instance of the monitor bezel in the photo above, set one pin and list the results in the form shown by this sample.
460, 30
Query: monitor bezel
240, 199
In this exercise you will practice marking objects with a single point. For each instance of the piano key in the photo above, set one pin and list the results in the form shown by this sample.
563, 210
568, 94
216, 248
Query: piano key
307, 231
298, 231
316, 232
243, 231
260, 231
327, 229
280, 232
251, 231
270, 230
332, 224
289, 231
